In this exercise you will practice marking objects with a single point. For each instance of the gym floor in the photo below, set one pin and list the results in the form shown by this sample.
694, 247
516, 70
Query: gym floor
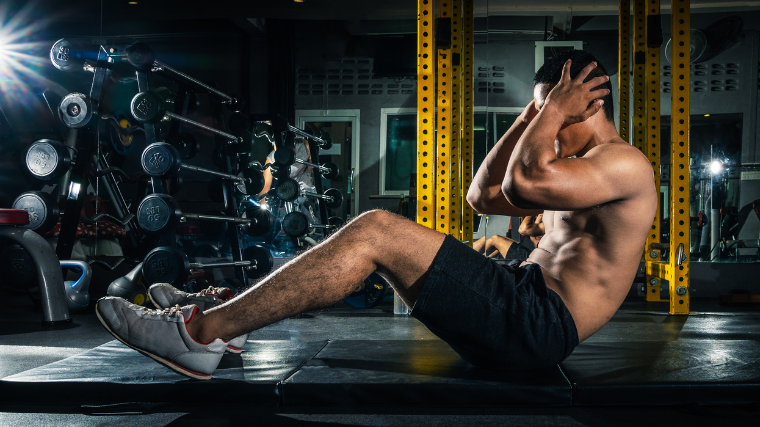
346, 367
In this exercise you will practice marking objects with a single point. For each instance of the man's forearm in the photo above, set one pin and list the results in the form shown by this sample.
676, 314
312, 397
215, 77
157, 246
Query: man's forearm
533, 152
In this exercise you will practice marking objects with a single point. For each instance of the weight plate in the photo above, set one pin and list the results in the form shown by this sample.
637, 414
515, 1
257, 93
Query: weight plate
47, 159
43, 215
245, 144
66, 57
167, 97
147, 107
212, 228
295, 224
263, 224
187, 146
75, 110
160, 159
255, 181
237, 122
261, 258
287, 189
328, 140
285, 156
336, 222
334, 171
237, 105
165, 265
337, 198
158, 214
175, 184
369, 294
141, 56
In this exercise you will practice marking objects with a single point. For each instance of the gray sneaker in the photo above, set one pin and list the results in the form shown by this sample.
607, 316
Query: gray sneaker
161, 335
165, 295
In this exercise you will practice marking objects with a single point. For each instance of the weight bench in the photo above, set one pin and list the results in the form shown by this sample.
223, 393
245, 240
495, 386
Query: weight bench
54, 307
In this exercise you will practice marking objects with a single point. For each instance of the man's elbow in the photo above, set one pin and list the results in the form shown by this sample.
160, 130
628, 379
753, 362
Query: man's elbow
516, 194
475, 200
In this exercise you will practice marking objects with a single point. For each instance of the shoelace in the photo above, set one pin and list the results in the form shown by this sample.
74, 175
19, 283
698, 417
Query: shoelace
171, 311
210, 290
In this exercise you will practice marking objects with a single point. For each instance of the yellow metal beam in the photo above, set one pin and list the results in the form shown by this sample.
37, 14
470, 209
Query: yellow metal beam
658, 269
679, 158
624, 69
639, 78
443, 131
652, 137
455, 188
467, 107
425, 114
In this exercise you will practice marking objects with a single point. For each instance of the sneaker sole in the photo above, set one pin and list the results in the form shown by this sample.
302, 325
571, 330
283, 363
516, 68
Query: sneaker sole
166, 362
234, 350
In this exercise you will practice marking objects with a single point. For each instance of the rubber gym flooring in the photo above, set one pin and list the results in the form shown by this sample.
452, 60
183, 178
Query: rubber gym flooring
341, 367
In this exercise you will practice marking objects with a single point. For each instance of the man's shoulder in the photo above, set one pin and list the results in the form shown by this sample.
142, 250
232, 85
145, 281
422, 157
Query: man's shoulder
618, 152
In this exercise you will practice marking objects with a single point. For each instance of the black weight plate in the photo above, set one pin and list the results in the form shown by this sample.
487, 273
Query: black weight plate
215, 189
336, 222
188, 146
263, 218
141, 56
212, 228
255, 183
175, 184
168, 98
285, 156
334, 171
165, 265
158, 214
295, 224
147, 107
219, 156
43, 215
160, 159
337, 198
328, 140
261, 258
237, 122
47, 159
244, 145
287, 189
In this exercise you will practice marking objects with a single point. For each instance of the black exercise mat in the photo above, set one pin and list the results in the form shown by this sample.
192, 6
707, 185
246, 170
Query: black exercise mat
114, 374
429, 373
705, 371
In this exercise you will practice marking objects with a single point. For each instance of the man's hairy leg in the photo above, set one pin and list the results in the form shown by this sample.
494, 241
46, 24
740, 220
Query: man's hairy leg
479, 245
398, 248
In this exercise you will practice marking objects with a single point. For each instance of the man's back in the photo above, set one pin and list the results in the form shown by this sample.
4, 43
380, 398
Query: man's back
590, 256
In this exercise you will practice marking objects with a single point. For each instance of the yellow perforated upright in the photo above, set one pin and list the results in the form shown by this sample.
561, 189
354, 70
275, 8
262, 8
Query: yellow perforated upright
443, 132
425, 114
652, 137
455, 188
638, 138
467, 107
679, 164
624, 69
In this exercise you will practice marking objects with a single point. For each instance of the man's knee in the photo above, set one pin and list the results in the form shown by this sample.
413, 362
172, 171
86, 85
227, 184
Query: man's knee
375, 219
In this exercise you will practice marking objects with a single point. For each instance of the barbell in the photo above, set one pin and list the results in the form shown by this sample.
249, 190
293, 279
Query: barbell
162, 160
166, 264
285, 157
296, 224
159, 213
289, 190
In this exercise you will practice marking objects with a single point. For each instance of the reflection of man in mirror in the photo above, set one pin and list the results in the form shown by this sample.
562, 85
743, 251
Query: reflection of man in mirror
531, 226
598, 209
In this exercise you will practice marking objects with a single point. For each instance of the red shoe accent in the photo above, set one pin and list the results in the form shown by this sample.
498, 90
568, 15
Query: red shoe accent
192, 316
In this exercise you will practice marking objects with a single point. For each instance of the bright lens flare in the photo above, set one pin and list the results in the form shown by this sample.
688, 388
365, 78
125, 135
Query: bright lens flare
23, 56
716, 167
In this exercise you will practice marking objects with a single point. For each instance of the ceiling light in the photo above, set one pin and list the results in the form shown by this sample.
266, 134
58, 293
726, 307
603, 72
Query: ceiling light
707, 115
298, 1
132, 2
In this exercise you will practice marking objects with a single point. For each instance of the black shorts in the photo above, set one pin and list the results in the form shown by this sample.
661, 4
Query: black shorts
493, 315
517, 251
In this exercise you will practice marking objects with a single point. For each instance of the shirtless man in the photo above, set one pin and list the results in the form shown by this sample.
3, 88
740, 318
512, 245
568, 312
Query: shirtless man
599, 209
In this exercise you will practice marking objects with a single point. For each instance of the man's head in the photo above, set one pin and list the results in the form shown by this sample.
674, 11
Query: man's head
550, 73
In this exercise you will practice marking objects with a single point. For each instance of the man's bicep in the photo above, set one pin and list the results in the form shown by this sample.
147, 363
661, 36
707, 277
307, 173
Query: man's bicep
581, 183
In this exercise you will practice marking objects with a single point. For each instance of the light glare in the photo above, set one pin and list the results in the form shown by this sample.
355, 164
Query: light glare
716, 167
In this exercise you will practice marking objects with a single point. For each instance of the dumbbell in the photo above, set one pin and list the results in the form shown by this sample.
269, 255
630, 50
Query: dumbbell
159, 213
47, 159
161, 160
296, 224
149, 107
43, 214
285, 157
288, 190
75, 110
166, 264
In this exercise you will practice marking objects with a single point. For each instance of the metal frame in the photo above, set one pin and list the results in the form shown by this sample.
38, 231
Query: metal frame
455, 189
384, 113
347, 115
624, 70
443, 221
467, 104
425, 114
